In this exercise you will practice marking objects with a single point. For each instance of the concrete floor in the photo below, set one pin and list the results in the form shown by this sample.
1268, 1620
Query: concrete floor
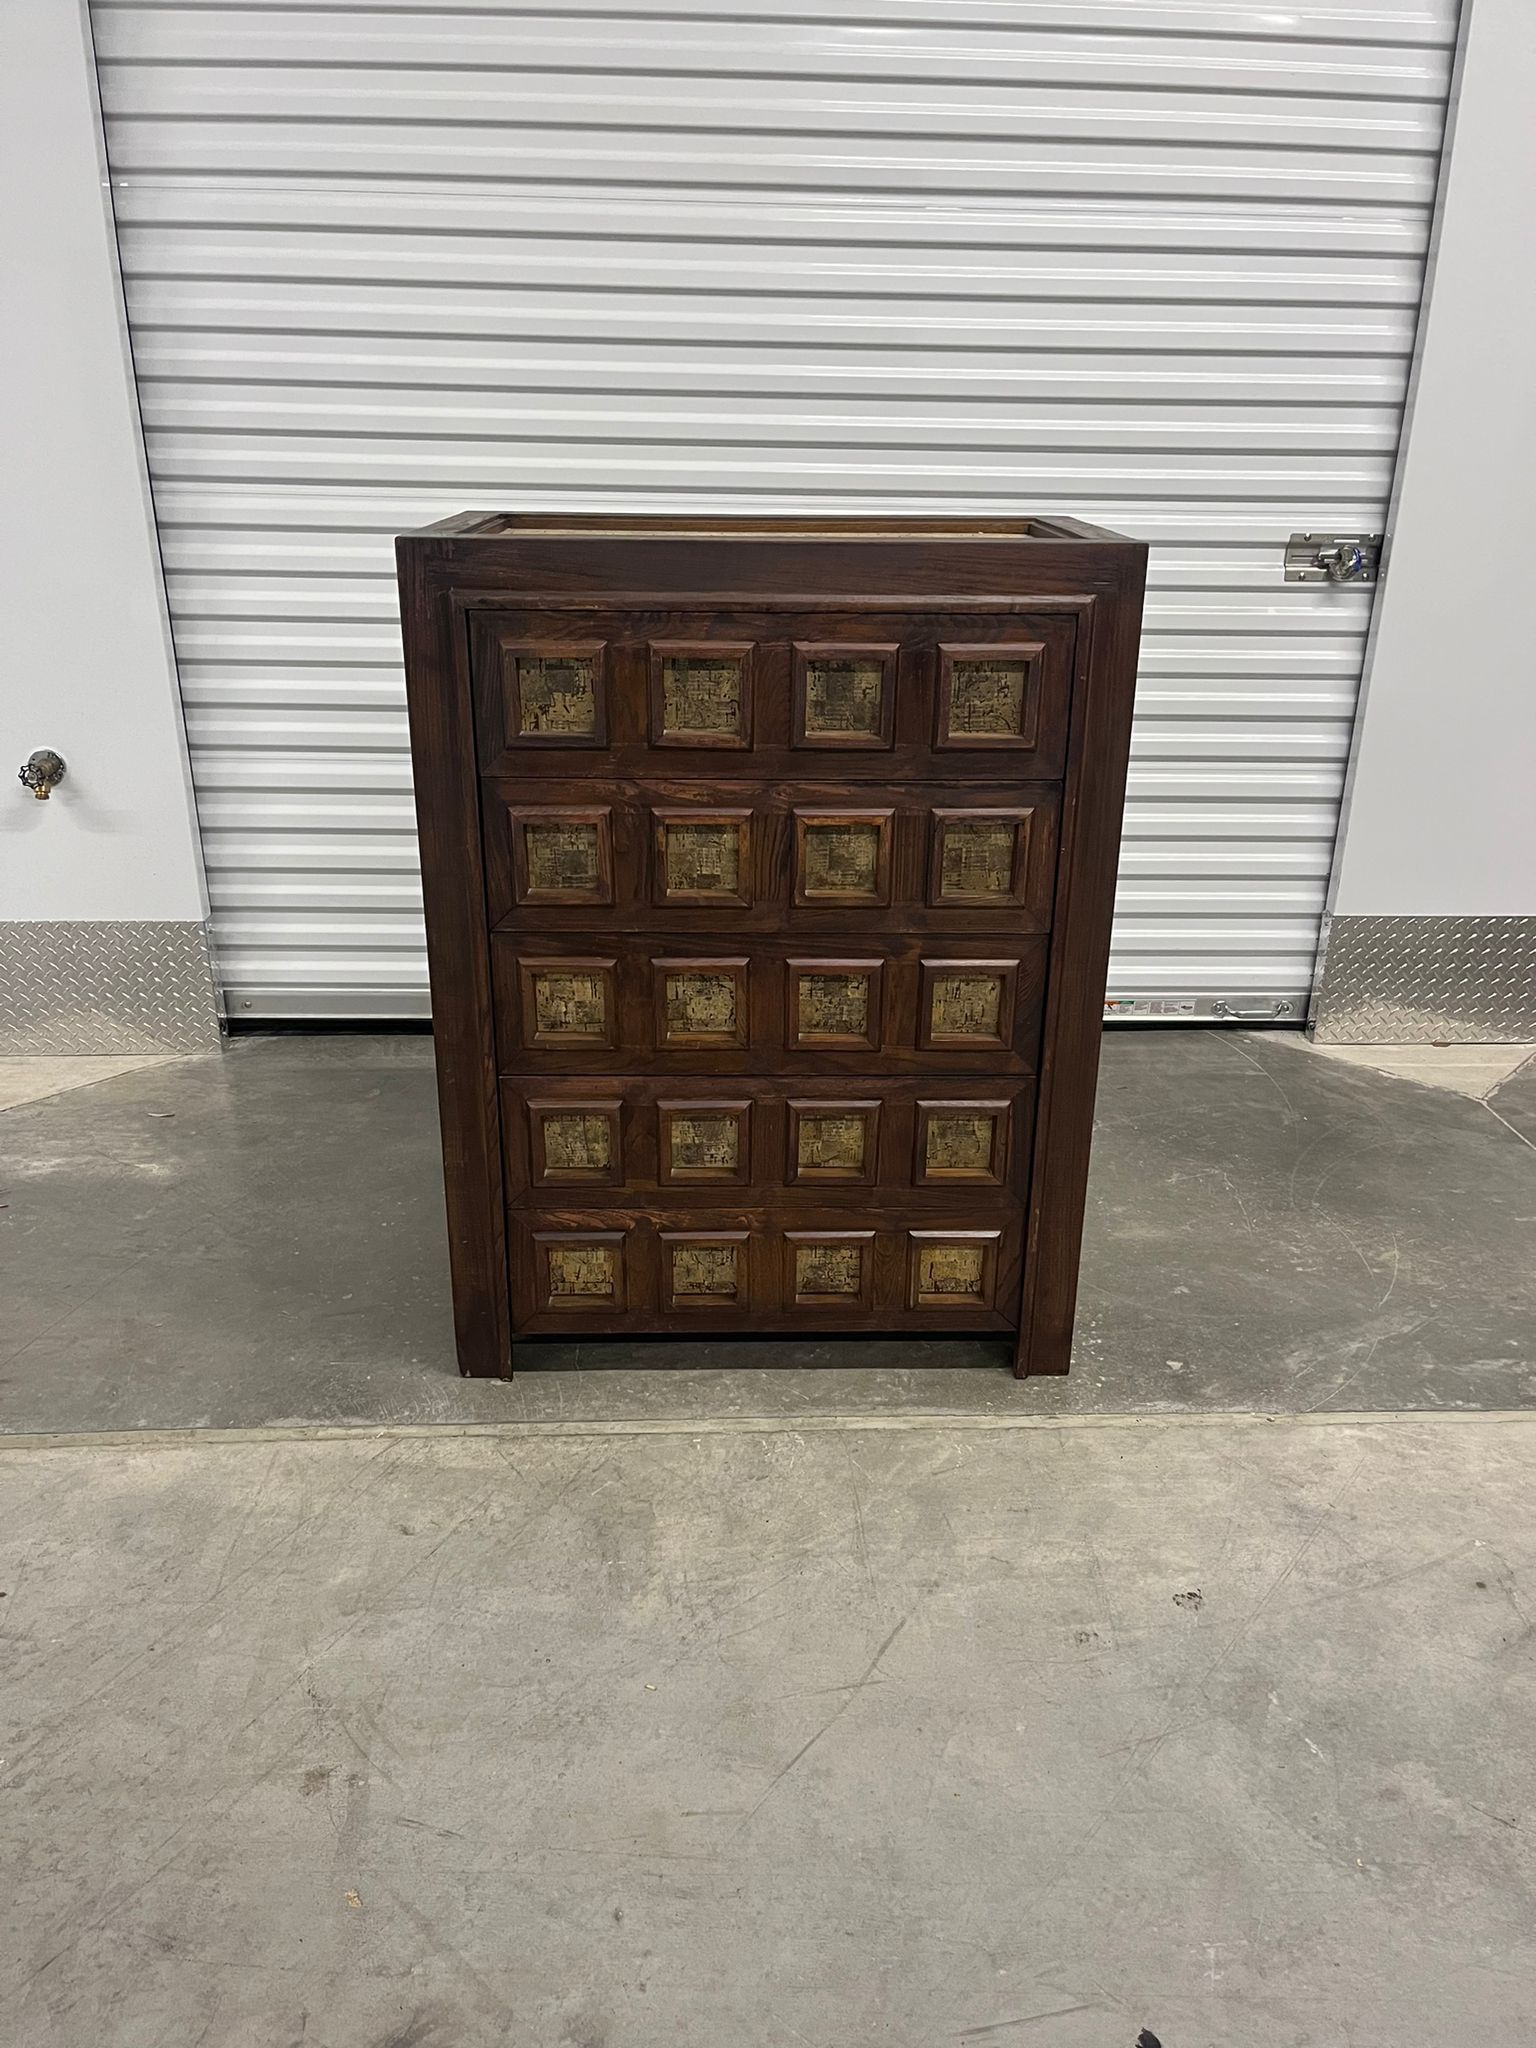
768, 1694
668, 1736
256, 1238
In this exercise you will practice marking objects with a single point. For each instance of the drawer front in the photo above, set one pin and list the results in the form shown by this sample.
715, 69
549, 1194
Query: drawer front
859, 693
771, 856
676, 1002
769, 890
769, 1266
831, 1142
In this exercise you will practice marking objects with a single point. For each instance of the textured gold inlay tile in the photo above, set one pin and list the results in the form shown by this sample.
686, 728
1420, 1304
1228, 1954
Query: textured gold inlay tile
842, 859
704, 1269
569, 1005
701, 693
834, 1005
830, 1143
955, 1271
562, 856
967, 1005
701, 1005
986, 698
978, 857
959, 1143
843, 699
582, 1269
558, 694
577, 1143
705, 1143
703, 859
828, 1268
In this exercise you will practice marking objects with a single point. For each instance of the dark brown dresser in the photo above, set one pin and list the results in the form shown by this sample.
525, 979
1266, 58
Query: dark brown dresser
768, 868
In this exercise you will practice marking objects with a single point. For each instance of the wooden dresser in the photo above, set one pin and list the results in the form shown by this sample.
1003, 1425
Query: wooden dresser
768, 869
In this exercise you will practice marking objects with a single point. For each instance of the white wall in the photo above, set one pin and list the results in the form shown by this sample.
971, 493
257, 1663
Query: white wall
85, 659
1441, 813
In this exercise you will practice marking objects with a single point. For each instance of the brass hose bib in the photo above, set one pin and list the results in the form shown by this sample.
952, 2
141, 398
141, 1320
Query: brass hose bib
42, 772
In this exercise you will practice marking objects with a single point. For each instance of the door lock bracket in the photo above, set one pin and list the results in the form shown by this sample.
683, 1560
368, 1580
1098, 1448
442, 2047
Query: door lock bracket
1333, 558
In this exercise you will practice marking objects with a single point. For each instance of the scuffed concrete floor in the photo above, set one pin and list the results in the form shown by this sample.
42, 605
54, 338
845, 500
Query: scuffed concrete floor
847, 1696
872, 1736
256, 1237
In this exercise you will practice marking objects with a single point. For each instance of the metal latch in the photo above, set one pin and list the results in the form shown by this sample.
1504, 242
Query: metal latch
1262, 1013
1333, 558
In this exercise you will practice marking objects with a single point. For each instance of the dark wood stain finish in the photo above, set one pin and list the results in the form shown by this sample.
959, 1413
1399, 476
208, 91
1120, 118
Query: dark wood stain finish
768, 868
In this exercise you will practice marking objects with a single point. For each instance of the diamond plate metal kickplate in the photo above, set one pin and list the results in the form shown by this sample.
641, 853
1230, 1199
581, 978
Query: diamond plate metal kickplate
1415, 980
75, 987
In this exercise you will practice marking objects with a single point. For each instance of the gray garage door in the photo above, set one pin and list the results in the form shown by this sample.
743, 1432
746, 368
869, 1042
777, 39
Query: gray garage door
1153, 265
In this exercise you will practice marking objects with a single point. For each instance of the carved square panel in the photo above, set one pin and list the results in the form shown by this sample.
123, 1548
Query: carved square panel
701, 695
830, 1269
961, 1141
704, 1269
979, 857
575, 1144
579, 1270
835, 1003
968, 1003
833, 1141
705, 1141
843, 857
952, 1269
558, 696
704, 857
567, 1002
701, 1002
845, 697
562, 855
989, 695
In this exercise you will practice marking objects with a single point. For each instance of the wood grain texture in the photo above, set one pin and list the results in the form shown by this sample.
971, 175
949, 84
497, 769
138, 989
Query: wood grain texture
761, 726
769, 862
800, 1268
730, 857
687, 1140
458, 954
1093, 801
777, 1005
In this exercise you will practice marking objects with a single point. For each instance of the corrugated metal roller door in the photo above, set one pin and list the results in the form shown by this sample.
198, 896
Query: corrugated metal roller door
1156, 265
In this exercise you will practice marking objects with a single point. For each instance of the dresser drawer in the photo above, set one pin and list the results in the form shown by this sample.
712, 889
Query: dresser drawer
770, 1265
860, 691
668, 1003
837, 1141
739, 856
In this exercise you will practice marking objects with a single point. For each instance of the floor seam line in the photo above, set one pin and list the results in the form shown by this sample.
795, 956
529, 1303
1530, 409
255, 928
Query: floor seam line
764, 1425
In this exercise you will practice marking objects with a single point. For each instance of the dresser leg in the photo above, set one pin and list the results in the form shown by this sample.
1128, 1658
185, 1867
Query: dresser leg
485, 1353
499, 1372
1041, 1356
